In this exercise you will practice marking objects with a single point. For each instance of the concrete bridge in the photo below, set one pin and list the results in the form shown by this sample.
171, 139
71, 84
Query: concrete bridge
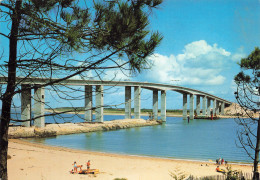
205, 104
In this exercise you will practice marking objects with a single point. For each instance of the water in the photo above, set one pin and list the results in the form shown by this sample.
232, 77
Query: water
199, 140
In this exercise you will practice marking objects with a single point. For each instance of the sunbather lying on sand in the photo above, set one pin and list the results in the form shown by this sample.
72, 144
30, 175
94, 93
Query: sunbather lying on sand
220, 170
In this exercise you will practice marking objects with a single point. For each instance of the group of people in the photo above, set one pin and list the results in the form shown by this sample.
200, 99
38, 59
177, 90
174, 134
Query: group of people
75, 167
221, 161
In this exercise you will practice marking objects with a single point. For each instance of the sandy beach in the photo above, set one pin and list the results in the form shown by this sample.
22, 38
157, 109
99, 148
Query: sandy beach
37, 161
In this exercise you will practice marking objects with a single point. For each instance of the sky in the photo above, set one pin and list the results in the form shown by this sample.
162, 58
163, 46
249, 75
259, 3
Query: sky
203, 41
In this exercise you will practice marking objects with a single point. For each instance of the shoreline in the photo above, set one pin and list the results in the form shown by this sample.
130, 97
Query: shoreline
61, 148
33, 161
43, 145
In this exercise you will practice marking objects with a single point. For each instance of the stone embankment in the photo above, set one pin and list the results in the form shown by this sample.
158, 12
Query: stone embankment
75, 128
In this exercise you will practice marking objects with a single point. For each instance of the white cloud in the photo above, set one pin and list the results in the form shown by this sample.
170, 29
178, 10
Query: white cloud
199, 48
117, 75
199, 64
236, 57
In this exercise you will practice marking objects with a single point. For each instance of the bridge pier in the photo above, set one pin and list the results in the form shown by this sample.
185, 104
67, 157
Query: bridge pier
39, 107
214, 107
208, 106
204, 105
127, 102
222, 108
191, 106
26, 104
99, 103
184, 109
163, 105
217, 107
88, 103
155, 104
137, 102
198, 105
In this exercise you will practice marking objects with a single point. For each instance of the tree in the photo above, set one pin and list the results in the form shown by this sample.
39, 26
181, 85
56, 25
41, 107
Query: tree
247, 95
67, 38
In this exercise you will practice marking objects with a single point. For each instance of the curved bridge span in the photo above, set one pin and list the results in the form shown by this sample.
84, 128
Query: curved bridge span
27, 84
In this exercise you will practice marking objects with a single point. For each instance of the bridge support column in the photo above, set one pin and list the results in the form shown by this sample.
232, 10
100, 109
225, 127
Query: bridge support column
39, 107
88, 103
184, 109
26, 105
191, 106
99, 103
217, 107
128, 102
137, 102
198, 105
222, 108
155, 104
208, 106
204, 105
214, 107
163, 106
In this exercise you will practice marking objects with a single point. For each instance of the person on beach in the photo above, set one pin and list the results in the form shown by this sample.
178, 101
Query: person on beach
220, 170
76, 167
222, 161
88, 165
219, 161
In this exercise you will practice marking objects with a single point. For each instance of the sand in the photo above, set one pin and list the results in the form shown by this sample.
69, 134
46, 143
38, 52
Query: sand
37, 161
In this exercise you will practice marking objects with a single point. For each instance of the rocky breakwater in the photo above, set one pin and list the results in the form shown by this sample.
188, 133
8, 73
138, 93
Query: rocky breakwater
75, 128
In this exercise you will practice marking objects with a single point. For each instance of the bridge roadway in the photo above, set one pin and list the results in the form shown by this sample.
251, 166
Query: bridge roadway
40, 83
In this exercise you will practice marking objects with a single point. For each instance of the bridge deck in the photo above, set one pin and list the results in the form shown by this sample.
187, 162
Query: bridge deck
146, 85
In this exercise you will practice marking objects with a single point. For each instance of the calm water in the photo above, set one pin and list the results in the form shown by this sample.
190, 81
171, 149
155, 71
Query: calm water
198, 140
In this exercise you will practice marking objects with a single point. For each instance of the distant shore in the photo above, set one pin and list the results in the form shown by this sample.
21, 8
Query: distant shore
171, 113
38, 161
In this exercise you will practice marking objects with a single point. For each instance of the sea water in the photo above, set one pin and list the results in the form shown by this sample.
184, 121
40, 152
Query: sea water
202, 140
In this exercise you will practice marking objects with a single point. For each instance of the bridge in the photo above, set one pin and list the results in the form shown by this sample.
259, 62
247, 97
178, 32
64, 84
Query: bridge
217, 107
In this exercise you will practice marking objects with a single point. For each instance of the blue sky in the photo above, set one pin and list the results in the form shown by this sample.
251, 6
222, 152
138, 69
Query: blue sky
203, 41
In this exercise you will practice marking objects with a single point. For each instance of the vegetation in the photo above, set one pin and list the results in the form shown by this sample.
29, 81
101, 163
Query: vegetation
248, 95
113, 110
67, 39
232, 174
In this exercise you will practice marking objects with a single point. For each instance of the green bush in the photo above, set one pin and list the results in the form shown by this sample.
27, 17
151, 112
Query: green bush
232, 174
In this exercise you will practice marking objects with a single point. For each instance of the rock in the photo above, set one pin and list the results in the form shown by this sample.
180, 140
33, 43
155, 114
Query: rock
44, 132
69, 128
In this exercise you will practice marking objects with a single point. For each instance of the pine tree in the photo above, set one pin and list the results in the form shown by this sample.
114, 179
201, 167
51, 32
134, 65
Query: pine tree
66, 38
248, 95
